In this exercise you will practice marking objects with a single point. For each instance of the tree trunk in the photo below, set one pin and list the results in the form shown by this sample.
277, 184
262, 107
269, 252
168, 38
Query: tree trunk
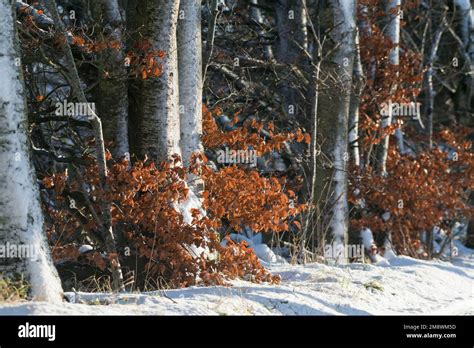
21, 218
333, 113
160, 123
190, 78
112, 97
309, 216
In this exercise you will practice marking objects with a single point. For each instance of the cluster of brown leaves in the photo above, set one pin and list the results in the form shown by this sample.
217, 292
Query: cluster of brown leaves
243, 197
144, 60
88, 46
237, 260
246, 136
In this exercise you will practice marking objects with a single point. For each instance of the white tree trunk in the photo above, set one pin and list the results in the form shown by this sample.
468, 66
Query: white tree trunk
344, 13
190, 78
160, 124
21, 218
393, 13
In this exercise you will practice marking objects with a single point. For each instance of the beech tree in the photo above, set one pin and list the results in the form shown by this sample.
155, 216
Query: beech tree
21, 218
333, 113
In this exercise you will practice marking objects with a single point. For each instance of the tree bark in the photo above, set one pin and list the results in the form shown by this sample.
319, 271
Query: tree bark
160, 123
190, 78
21, 217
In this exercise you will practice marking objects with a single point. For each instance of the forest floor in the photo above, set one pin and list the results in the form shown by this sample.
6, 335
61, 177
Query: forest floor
406, 286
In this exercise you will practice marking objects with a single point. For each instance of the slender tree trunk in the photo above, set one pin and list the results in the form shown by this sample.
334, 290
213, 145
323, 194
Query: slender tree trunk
308, 228
112, 97
333, 113
160, 123
190, 78
21, 218
393, 16
310, 216
74, 81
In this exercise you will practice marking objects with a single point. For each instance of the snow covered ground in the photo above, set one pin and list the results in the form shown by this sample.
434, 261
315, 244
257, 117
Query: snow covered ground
406, 286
